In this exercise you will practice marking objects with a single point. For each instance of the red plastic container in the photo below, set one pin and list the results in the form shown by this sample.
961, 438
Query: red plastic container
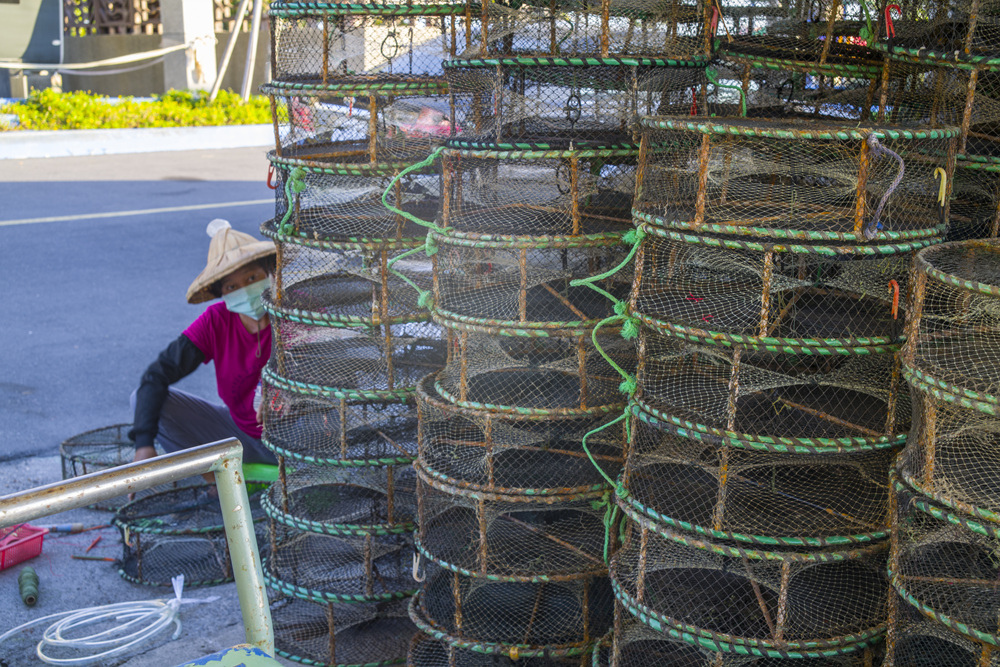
20, 543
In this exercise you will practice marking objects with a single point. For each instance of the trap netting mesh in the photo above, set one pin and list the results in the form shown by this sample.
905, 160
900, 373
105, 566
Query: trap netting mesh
534, 375
955, 33
492, 452
954, 331
975, 210
325, 568
944, 563
330, 208
332, 634
428, 652
558, 101
325, 45
179, 531
793, 178
763, 603
760, 397
364, 124
526, 282
102, 448
769, 494
344, 500
633, 644
738, 291
511, 538
513, 618
916, 641
673, 29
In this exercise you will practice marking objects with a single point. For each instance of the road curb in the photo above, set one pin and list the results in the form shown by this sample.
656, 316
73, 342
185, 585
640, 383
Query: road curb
26, 144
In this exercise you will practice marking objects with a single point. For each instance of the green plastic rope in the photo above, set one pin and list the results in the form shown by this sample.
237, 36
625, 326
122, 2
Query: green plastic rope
630, 327
426, 162
607, 502
629, 384
424, 298
294, 186
743, 96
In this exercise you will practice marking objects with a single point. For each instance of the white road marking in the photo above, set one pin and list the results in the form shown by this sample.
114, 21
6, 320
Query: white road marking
141, 211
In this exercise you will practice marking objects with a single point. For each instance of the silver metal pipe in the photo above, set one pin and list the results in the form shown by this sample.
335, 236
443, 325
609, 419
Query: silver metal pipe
225, 459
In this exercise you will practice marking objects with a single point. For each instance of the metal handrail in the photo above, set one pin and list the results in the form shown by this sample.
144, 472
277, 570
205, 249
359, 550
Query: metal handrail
225, 459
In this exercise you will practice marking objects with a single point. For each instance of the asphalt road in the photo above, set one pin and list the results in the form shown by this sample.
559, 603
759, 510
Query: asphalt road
96, 254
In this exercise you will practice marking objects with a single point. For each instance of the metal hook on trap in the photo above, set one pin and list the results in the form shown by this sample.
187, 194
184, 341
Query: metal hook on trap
395, 45
942, 192
573, 108
894, 288
890, 29
270, 177
417, 576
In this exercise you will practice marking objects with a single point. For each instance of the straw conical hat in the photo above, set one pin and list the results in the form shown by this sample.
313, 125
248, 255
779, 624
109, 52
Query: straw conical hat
229, 250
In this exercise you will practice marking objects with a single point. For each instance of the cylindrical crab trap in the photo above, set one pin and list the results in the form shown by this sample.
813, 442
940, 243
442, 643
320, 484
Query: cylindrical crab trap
321, 46
804, 296
956, 33
367, 124
345, 501
944, 564
542, 375
428, 652
633, 644
916, 641
325, 568
769, 494
954, 330
512, 538
975, 210
760, 397
180, 531
781, 604
334, 634
526, 282
512, 454
794, 178
513, 618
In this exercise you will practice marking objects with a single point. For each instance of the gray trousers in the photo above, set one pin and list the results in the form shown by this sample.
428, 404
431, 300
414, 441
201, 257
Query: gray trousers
188, 421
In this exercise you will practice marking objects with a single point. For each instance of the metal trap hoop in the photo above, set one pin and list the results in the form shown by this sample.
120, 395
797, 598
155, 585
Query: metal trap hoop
812, 298
325, 568
345, 501
729, 490
782, 399
428, 652
559, 373
339, 634
518, 539
954, 329
942, 563
792, 178
917, 640
976, 205
789, 604
507, 454
324, 45
524, 619
524, 282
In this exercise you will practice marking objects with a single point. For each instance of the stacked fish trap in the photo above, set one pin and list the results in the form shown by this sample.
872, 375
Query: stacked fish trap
536, 195
945, 510
358, 95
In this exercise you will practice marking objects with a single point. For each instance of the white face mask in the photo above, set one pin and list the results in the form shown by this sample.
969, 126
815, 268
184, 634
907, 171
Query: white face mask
247, 300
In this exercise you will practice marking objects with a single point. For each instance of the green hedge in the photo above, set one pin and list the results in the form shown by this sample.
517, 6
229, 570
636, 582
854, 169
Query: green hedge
49, 110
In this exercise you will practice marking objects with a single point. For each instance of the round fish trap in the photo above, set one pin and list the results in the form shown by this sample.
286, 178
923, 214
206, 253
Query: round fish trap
545, 375
523, 619
511, 454
511, 539
103, 448
345, 500
944, 564
323, 46
329, 568
952, 456
340, 208
954, 331
353, 363
957, 33
180, 531
553, 102
780, 604
794, 178
766, 494
361, 123
915, 641
735, 291
339, 634
337, 431
785, 399
524, 282
428, 652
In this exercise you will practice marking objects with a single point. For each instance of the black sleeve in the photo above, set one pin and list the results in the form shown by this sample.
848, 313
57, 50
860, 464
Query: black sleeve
179, 359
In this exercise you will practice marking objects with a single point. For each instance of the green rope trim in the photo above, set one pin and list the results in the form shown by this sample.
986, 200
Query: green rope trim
580, 61
309, 9
293, 186
303, 593
454, 487
732, 53
501, 578
337, 529
194, 584
952, 59
347, 86
269, 229
925, 263
949, 393
309, 389
313, 459
713, 78
774, 130
944, 619
939, 513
